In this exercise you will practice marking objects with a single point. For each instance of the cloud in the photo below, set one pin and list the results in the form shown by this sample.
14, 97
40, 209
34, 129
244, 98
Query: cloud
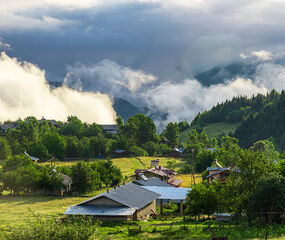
26, 93
170, 39
108, 77
263, 55
3, 44
182, 101
271, 76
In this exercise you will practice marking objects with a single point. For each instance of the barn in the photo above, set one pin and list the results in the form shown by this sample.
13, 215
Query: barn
127, 202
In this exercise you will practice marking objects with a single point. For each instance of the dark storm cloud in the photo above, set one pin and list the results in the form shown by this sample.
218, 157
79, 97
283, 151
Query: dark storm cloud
109, 46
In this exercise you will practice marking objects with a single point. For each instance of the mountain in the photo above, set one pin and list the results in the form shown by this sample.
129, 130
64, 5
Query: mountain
248, 119
125, 109
218, 75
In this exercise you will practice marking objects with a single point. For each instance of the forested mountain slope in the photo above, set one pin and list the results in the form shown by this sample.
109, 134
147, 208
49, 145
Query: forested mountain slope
260, 117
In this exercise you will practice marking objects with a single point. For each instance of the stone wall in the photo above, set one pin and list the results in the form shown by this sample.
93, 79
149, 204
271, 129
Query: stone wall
145, 212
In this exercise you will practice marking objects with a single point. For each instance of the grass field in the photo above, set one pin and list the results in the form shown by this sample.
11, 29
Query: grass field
213, 130
188, 180
16, 210
129, 165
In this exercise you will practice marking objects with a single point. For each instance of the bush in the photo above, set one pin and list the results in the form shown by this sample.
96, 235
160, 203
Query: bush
75, 229
137, 151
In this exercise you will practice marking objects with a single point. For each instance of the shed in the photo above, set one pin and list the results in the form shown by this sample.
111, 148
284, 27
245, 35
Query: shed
177, 195
128, 202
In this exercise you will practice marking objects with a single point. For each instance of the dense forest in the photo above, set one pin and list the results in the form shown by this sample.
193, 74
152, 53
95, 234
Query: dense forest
260, 117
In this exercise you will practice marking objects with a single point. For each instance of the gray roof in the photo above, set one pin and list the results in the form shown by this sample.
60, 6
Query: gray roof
110, 127
130, 195
99, 211
217, 169
8, 125
31, 157
169, 193
119, 151
154, 181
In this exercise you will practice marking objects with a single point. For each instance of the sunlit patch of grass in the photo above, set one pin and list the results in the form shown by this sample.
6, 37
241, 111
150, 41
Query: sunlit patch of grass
188, 180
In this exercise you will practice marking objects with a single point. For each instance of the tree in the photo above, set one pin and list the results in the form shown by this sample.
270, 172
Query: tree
172, 134
204, 159
55, 144
119, 121
73, 127
202, 199
152, 148
72, 146
268, 196
84, 178
140, 129
5, 150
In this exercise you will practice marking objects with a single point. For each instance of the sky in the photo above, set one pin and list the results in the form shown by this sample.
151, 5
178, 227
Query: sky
144, 50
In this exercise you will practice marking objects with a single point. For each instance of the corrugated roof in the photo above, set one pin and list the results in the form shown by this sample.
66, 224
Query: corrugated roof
169, 193
154, 181
217, 169
99, 211
110, 127
130, 195
175, 181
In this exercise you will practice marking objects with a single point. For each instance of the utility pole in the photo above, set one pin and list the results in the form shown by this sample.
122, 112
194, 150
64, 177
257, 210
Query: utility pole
193, 165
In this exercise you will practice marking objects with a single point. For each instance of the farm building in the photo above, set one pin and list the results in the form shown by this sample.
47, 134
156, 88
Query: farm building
127, 202
167, 194
164, 174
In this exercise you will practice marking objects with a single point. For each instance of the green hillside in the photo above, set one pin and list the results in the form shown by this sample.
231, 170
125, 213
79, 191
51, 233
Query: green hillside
248, 119
212, 130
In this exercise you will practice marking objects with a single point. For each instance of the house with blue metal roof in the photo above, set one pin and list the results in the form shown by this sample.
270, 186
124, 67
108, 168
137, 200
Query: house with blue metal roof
127, 202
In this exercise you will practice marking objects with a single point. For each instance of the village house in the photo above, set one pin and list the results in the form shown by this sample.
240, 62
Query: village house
177, 153
164, 174
126, 202
110, 128
5, 127
217, 173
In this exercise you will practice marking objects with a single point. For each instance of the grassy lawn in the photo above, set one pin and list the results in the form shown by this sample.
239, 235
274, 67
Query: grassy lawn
213, 130
16, 210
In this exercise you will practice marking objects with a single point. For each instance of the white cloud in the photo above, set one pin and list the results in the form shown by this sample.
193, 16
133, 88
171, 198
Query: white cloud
26, 93
263, 55
271, 76
109, 77
182, 101
3, 44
